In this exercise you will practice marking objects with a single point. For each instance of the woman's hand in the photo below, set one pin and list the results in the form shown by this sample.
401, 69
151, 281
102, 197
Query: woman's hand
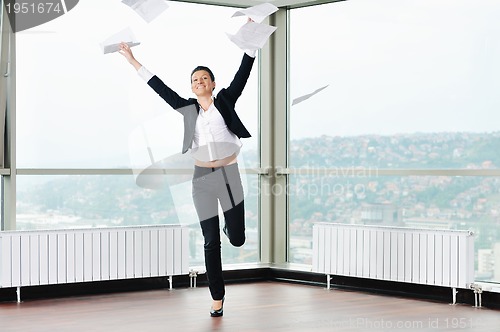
127, 53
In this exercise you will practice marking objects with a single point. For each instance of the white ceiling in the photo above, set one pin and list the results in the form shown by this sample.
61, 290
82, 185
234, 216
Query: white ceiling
249, 3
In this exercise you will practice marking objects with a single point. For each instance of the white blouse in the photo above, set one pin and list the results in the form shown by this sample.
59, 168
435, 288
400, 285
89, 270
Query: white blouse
212, 139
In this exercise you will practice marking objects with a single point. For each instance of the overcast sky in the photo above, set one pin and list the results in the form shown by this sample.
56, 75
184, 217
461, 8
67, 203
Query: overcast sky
396, 66
392, 66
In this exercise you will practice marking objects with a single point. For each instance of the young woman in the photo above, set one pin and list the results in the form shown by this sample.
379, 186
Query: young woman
212, 130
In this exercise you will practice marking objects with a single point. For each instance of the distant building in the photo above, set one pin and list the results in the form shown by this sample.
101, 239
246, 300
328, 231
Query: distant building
381, 214
496, 261
485, 263
427, 222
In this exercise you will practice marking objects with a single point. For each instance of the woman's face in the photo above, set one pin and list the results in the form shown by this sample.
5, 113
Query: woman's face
201, 83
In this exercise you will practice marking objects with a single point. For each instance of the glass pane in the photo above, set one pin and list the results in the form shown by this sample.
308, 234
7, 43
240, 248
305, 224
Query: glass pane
401, 85
437, 202
409, 84
58, 202
80, 108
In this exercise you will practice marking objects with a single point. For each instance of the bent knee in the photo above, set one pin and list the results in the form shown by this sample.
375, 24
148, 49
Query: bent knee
238, 242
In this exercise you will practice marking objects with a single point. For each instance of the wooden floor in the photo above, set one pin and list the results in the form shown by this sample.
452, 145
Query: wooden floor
262, 306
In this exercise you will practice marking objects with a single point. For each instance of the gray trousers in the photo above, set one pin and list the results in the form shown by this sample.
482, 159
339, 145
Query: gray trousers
212, 186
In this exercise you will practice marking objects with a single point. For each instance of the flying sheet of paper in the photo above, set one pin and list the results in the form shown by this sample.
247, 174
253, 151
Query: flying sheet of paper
112, 44
305, 97
257, 13
147, 9
252, 36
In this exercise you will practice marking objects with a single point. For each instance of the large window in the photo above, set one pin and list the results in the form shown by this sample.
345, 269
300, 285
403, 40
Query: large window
401, 124
88, 125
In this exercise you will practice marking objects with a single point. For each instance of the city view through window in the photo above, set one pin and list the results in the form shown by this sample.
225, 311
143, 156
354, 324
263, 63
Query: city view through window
401, 96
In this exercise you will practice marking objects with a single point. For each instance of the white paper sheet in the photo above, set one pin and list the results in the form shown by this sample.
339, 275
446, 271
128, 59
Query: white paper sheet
305, 97
257, 13
147, 9
252, 36
112, 44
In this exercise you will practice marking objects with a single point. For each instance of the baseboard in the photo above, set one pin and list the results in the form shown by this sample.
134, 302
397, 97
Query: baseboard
258, 274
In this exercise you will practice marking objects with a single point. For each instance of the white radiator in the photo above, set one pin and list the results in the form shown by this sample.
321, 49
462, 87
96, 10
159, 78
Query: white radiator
30, 258
431, 257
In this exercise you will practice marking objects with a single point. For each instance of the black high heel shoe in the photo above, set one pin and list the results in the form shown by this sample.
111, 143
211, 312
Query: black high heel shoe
218, 312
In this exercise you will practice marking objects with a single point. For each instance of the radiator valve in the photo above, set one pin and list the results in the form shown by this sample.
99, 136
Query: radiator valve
478, 291
193, 274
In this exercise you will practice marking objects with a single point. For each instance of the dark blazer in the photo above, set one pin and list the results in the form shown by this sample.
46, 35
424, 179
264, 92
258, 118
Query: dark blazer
225, 102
